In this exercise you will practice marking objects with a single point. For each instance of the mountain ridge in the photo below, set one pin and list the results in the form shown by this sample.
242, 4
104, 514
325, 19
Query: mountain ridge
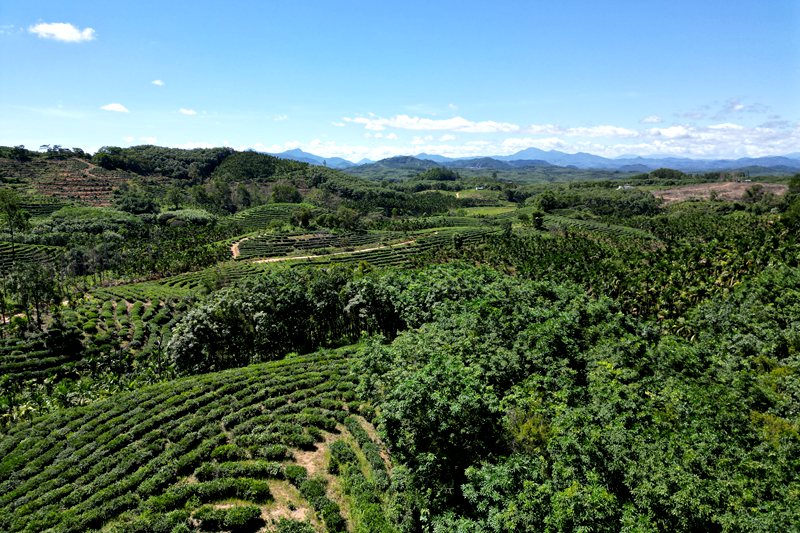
535, 157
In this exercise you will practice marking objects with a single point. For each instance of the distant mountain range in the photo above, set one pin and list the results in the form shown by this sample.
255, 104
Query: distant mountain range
534, 157
305, 157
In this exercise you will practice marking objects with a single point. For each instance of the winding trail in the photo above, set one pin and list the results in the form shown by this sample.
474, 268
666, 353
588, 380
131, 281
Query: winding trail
292, 258
235, 247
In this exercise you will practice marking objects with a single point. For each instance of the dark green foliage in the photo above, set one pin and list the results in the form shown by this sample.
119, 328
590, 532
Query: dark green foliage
292, 526
170, 162
286, 193
300, 310
597, 421
371, 451
604, 202
136, 202
341, 455
251, 469
438, 174
239, 518
314, 490
295, 473
253, 166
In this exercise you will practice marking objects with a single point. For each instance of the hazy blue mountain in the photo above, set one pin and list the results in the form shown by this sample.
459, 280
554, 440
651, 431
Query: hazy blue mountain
583, 160
434, 157
529, 163
479, 163
305, 157
403, 162
529, 154
534, 157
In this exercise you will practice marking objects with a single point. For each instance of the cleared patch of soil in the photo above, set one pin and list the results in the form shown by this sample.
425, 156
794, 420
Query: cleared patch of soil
314, 461
730, 191
288, 504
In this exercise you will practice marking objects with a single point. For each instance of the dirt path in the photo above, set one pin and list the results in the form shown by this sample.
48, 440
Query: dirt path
235, 247
292, 258
458, 195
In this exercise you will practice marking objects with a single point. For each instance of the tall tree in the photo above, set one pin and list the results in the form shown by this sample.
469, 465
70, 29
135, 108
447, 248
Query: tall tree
12, 214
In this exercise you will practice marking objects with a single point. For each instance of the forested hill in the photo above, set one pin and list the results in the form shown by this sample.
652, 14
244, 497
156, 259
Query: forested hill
212, 340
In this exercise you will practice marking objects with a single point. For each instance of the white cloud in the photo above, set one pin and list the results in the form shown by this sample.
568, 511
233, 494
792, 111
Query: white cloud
726, 126
158, 83
280, 118
582, 131
406, 122
651, 119
188, 112
62, 31
672, 132
117, 108
418, 140
601, 131
338, 124
447, 138
392, 136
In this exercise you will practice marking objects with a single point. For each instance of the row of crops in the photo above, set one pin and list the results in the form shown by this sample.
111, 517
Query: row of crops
121, 324
282, 245
405, 255
22, 359
556, 222
43, 208
163, 453
207, 280
262, 216
28, 253
111, 325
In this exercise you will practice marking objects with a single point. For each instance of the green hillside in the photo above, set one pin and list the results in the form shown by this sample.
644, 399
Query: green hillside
212, 340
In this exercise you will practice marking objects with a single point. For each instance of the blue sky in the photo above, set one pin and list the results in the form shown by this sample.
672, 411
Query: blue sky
366, 79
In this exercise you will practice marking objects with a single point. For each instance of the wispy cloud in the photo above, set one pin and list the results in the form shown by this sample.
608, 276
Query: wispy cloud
158, 83
406, 122
605, 130
280, 118
62, 31
651, 119
117, 108
187, 112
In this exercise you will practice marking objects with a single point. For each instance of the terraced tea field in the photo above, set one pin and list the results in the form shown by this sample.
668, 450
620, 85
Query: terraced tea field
260, 217
305, 244
241, 447
28, 253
